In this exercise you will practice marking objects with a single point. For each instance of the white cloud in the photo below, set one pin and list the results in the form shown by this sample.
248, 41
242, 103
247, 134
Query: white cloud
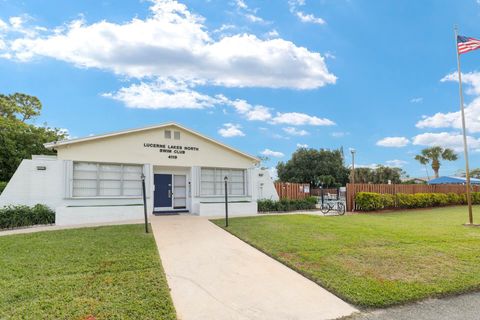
274, 34
453, 119
252, 113
169, 93
388, 163
302, 16
300, 145
259, 113
339, 134
452, 140
308, 17
241, 4
295, 132
293, 3
271, 153
416, 100
329, 55
16, 22
165, 93
298, 119
249, 13
3, 25
174, 42
66, 132
230, 130
396, 163
254, 18
393, 142
16, 25
471, 79
224, 27
371, 165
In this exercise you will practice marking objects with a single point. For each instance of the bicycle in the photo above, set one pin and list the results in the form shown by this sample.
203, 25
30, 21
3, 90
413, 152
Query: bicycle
337, 206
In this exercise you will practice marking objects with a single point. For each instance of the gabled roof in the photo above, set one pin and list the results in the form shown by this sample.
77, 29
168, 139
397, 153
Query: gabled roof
55, 144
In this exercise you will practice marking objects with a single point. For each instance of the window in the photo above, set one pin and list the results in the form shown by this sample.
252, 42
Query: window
106, 180
176, 135
168, 134
212, 182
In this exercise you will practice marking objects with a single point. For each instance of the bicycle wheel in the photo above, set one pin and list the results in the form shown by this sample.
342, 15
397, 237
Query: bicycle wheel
325, 208
340, 208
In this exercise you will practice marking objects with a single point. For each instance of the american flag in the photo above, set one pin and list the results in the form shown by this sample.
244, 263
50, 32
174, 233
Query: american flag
466, 44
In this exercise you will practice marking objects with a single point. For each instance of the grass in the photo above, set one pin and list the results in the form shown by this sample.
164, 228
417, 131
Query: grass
90, 273
374, 260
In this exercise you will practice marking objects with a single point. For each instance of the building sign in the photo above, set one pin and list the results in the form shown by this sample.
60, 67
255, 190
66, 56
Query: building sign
172, 150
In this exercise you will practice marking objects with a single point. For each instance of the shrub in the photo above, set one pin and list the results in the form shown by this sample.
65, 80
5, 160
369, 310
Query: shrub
388, 200
21, 216
287, 204
3, 184
266, 205
370, 201
404, 201
476, 197
312, 200
43, 214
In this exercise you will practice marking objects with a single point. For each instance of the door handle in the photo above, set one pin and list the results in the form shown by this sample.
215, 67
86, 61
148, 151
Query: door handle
169, 193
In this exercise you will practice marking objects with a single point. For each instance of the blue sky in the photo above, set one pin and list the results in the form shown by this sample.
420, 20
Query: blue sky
262, 76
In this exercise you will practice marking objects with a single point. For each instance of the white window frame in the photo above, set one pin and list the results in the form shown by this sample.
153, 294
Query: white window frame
98, 180
221, 182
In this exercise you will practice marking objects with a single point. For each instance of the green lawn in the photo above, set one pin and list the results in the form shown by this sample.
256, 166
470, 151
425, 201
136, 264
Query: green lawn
374, 260
90, 273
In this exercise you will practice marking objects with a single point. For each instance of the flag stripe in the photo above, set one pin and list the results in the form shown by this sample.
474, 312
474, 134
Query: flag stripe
466, 44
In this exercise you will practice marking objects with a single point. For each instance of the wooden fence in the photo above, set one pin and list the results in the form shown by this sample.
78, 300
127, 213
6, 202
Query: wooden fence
353, 189
290, 190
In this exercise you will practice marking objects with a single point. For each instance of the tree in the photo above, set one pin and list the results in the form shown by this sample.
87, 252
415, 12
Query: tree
18, 139
263, 160
474, 173
19, 106
317, 167
433, 155
378, 175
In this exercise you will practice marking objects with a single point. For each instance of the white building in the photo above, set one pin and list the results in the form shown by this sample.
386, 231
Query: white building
98, 178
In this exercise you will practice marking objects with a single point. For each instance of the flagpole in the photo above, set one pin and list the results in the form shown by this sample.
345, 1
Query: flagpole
465, 147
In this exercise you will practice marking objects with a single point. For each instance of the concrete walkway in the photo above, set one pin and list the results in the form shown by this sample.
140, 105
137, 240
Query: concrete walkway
214, 275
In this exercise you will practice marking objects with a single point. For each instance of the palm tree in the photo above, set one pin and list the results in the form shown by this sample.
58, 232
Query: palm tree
433, 155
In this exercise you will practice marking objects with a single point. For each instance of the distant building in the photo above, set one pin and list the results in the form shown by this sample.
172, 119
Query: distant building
414, 180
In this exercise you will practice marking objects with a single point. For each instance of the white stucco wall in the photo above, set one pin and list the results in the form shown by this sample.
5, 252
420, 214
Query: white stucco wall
97, 214
234, 209
30, 186
264, 186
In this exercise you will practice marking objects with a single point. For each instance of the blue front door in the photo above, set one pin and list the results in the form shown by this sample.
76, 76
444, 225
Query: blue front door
162, 196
